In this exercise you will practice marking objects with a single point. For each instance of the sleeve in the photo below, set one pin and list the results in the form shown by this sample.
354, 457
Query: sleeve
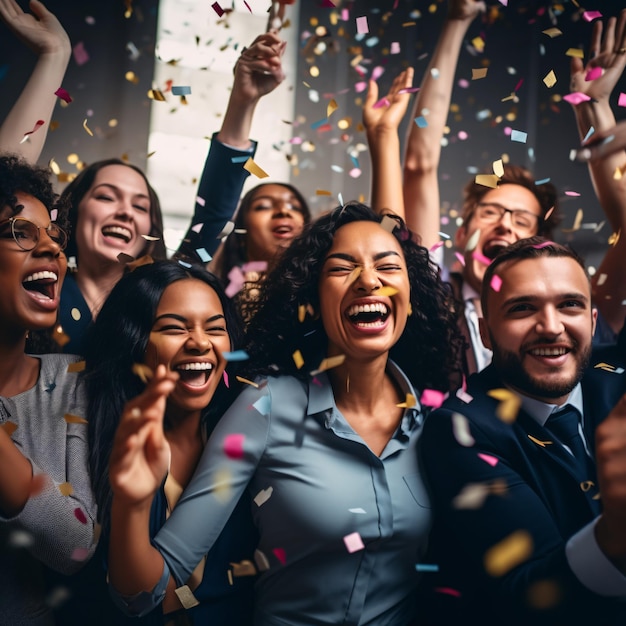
228, 464
219, 191
506, 542
61, 518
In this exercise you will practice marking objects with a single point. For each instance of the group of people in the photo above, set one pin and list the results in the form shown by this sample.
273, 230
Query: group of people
323, 427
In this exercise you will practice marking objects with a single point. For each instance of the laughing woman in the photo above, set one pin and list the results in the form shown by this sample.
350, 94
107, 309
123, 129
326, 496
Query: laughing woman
324, 441
46, 504
164, 315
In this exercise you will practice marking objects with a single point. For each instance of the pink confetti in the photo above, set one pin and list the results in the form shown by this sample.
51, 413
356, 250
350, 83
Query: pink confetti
218, 9
79, 554
61, 93
572, 193
622, 100
225, 376
449, 591
355, 172
254, 266
80, 515
377, 72
280, 554
409, 90
496, 282
481, 258
38, 125
395, 48
233, 446
519, 84
353, 542
591, 15
462, 135
593, 73
361, 25
316, 381
432, 398
487, 458
383, 102
236, 278
460, 258
360, 87
543, 244
436, 246
576, 97
53, 215
80, 54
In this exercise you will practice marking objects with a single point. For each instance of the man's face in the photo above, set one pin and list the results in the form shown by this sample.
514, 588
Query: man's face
498, 228
540, 325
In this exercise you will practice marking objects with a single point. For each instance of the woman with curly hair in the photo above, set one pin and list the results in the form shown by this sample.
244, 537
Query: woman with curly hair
352, 325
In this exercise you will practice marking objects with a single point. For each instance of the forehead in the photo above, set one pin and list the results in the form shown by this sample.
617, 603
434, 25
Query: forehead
273, 191
33, 209
190, 294
540, 279
364, 237
121, 176
512, 196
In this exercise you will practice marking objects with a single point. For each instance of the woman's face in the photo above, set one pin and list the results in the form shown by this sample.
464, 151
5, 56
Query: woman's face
273, 219
113, 216
30, 280
364, 291
189, 336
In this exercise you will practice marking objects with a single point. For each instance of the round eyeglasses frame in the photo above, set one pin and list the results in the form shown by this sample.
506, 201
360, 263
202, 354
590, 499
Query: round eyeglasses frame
26, 233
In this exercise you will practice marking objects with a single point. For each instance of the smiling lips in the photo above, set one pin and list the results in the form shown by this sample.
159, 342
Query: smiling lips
42, 285
373, 315
119, 232
195, 374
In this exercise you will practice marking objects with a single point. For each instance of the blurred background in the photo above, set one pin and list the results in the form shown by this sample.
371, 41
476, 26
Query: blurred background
125, 48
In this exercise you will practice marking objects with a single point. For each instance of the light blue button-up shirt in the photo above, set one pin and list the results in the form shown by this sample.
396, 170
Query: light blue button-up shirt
320, 494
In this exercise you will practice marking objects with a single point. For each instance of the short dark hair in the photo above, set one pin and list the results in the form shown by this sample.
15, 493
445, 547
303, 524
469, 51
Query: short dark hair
530, 248
76, 190
430, 347
545, 193
117, 340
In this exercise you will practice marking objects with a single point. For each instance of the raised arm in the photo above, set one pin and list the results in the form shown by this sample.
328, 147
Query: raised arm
423, 145
257, 73
43, 34
381, 119
606, 55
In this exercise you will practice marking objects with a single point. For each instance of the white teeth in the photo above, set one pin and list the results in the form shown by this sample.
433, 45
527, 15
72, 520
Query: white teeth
41, 276
548, 351
196, 366
117, 230
379, 307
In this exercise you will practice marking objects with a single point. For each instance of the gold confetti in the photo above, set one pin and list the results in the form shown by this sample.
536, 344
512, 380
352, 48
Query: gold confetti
578, 220
331, 108
253, 168
66, 489
388, 223
241, 379
297, 359
301, 313
131, 77
156, 94
508, 553
329, 363
245, 568
353, 275
142, 371
498, 168
543, 444
87, 128
54, 166
550, 79
614, 238
9, 427
59, 336
487, 180
77, 366
575, 52
323, 192
548, 214
409, 403
74, 419
479, 73
509, 404
387, 291
478, 43
552, 32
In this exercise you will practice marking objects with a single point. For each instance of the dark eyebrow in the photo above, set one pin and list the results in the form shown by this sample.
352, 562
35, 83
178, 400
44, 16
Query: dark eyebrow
349, 257
117, 190
564, 296
181, 318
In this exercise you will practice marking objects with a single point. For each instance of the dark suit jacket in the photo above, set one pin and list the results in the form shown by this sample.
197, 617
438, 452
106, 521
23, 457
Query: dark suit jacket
532, 490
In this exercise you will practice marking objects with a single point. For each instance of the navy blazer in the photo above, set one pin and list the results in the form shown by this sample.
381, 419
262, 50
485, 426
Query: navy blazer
530, 488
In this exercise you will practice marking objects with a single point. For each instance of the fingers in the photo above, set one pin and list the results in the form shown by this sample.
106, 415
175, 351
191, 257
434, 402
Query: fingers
596, 39
372, 94
38, 9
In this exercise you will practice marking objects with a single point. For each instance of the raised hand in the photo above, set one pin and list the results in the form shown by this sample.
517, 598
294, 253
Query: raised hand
41, 31
387, 113
606, 51
465, 9
141, 454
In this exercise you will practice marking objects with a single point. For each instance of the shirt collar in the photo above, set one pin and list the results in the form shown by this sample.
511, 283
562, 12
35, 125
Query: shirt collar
541, 411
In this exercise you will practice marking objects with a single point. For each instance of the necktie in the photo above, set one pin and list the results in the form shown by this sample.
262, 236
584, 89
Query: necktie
564, 426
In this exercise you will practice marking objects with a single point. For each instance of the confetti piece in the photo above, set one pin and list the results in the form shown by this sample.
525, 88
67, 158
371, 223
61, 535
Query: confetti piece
498, 168
77, 366
280, 554
573, 194
461, 430
246, 381
236, 355
263, 405
253, 168
487, 458
38, 125
543, 444
156, 94
409, 402
79, 514
487, 180
80, 554
472, 242
472, 496
204, 256
181, 90
421, 121
331, 108
576, 97
74, 419
593, 74
64, 95
479, 43
361, 25
589, 16
218, 9
357, 511
575, 52
20, 539
9, 427
479, 73
552, 32
481, 258
245, 568
66, 489
329, 363
577, 222
261, 561
387, 291
460, 258
609, 368
353, 542
225, 377
142, 371
496, 282
186, 597
622, 100
298, 359
448, 591
87, 128
509, 404
508, 553
462, 395
233, 446
80, 54
550, 79
394, 48
519, 136
263, 496
426, 567
59, 336
388, 223
432, 398
323, 192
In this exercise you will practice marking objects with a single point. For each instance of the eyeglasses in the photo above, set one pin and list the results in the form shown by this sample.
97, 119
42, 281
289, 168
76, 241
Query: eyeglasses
26, 234
491, 212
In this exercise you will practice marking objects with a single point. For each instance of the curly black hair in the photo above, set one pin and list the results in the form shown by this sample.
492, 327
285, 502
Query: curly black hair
429, 350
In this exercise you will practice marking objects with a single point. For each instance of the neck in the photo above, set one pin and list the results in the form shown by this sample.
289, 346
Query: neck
96, 283
18, 371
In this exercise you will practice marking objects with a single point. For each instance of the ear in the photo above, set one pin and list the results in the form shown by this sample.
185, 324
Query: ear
484, 332
460, 237
594, 320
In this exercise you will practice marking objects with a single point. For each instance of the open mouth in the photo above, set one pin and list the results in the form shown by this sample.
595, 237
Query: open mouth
282, 231
549, 352
493, 247
43, 283
195, 374
368, 315
118, 232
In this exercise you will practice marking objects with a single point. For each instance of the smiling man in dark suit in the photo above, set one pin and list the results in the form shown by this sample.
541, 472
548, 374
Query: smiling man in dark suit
517, 462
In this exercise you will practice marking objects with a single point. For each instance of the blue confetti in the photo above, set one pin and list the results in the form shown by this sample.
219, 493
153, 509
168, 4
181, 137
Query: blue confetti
237, 355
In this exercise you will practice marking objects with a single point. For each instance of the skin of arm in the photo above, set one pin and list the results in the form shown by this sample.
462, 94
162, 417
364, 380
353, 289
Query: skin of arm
423, 145
43, 34
16, 477
381, 120
611, 193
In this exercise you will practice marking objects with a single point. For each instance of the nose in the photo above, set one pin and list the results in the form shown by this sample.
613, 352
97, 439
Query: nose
282, 208
46, 245
124, 209
506, 221
198, 342
549, 322
367, 280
